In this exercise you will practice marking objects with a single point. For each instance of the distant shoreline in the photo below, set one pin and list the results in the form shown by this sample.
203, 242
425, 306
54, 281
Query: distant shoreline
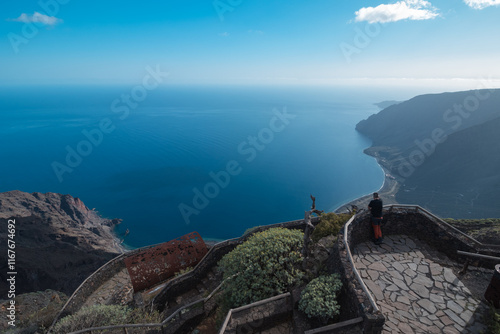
387, 192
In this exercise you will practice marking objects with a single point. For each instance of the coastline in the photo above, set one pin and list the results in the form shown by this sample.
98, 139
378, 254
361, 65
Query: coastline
387, 192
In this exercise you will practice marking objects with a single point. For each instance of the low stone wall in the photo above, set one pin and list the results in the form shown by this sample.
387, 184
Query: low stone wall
258, 316
94, 281
186, 282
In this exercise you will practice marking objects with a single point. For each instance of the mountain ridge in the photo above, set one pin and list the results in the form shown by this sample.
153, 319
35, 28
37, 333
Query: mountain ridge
418, 143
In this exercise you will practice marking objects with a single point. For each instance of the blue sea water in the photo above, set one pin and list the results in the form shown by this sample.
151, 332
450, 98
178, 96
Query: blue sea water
154, 158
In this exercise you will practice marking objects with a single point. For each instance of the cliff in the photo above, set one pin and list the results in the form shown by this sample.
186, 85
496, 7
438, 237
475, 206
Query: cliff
443, 150
59, 241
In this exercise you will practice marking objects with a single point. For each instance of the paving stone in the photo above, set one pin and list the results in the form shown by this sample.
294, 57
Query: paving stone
450, 330
436, 269
400, 284
440, 306
471, 307
386, 247
369, 257
392, 287
466, 316
401, 306
436, 328
377, 266
405, 328
454, 307
392, 324
420, 290
405, 314
412, 266
402, 248
435, 298
425, 281
417, 310
425, 321
373, 274
395, 274
454, 317
449, 276
424, 269
389, 308
375, 290
446, 320
427, 305
410, 273
404, 300
410, 243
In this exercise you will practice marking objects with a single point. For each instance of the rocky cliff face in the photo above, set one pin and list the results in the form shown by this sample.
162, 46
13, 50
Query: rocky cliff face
59, 241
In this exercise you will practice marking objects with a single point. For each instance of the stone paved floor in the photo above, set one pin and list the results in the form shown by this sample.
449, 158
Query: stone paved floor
415, 293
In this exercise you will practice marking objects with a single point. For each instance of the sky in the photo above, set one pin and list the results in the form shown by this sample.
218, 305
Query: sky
452, 43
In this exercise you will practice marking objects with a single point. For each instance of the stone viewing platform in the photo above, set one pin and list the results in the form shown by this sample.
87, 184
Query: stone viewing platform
414, 291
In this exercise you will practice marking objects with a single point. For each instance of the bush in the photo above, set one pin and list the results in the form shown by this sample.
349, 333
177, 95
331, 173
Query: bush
319, 298
92, 316
330, 223
266, 264
104, 315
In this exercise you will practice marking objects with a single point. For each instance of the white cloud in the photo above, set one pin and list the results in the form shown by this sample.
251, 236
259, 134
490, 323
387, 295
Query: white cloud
401, 10
38, 18
480, 4
224, 34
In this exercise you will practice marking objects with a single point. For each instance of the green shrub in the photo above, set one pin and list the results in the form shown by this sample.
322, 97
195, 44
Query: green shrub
330, 223
93, 316
105, 315
319, 298
267, 264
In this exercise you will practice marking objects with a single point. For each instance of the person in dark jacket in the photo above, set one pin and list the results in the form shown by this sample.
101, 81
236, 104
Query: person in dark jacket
375, 207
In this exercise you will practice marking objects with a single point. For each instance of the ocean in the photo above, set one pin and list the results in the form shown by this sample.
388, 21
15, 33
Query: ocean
216, 160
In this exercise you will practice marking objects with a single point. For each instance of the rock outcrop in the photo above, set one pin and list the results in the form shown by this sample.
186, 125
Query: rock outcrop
58, 240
